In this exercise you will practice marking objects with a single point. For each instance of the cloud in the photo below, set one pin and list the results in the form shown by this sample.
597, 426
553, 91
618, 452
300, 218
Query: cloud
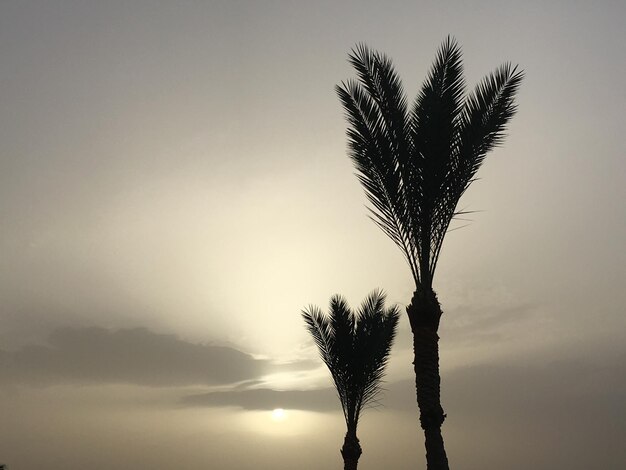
559, 396
555, 414
267, 399
133, 356
561, 392
487, 324
478, 319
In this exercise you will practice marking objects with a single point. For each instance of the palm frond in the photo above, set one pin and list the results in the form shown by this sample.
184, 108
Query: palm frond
379, 142
322, 332
485, 116
433, 117
376, 73
415, 166
377, 334
481, 127
355, 347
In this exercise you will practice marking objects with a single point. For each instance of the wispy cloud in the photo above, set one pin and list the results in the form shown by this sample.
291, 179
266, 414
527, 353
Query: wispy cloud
557, 394
267, 399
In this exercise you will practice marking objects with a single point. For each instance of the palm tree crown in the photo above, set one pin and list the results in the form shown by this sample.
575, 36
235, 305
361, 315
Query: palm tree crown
416, 163
355, 346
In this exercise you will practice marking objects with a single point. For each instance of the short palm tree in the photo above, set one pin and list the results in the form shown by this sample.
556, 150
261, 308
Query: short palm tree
414, 165
355, 347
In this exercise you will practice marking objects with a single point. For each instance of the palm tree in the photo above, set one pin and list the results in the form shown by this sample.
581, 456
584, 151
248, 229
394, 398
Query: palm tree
355, 347
414, 165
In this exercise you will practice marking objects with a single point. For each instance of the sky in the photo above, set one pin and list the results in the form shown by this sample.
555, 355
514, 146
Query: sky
174, 190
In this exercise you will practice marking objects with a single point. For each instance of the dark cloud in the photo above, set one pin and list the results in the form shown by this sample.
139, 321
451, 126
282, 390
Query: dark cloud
575, 398
322, 399
267, 399
553, 414
566, 392
556, 414
134, 356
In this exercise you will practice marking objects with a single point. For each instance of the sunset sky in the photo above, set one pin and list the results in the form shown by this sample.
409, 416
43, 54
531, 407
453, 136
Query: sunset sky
174, 190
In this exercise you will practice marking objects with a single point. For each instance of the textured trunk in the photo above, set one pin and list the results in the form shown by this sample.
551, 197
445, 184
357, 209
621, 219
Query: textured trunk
424, 315
351, 451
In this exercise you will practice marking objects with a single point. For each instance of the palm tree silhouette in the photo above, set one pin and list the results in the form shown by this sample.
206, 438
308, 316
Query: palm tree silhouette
414, 166
355, 347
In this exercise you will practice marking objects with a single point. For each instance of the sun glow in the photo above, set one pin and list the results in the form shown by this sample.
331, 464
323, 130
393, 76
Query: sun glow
278, 414
293, 422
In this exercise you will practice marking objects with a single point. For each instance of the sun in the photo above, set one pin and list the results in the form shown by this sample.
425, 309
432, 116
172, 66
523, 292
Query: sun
278, 414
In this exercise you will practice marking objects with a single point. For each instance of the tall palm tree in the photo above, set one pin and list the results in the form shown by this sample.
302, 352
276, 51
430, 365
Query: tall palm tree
414, 165
355, 347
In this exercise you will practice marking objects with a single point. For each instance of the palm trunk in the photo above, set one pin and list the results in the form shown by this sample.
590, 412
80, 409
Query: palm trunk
351, 451
424, 315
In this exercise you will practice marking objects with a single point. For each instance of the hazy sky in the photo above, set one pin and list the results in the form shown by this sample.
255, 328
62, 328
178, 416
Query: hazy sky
174, 189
